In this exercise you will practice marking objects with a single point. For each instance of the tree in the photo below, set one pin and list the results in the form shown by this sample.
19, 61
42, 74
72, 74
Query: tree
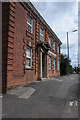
65, 67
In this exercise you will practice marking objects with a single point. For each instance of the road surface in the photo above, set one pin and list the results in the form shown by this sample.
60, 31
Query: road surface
52, 98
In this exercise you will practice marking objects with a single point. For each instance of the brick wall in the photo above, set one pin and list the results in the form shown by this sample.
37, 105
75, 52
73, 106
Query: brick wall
5, 20
15, 59
51, 72
37, 49
15, 41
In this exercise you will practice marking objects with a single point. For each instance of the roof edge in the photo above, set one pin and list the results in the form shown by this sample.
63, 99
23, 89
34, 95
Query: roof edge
37, 14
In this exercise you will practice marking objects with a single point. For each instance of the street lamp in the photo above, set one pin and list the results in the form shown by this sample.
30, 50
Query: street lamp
74, 30
68, 43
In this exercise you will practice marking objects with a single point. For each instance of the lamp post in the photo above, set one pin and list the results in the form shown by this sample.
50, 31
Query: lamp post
68, 43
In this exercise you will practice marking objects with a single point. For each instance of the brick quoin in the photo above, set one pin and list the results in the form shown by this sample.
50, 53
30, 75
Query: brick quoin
16, 38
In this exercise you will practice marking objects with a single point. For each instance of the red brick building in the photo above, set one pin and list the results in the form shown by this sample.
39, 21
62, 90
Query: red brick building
30, 49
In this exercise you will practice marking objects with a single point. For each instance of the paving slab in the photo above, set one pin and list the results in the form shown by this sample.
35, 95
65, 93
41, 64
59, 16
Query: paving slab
22, 92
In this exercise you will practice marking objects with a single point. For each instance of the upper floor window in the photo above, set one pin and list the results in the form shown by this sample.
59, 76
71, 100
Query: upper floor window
49, 62
58, 49
54, 46
29, 24
50, 41
54, 65
41, 34
58, 64
29, 57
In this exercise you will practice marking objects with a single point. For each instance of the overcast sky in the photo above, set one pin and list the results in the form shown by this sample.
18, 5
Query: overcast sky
62, 17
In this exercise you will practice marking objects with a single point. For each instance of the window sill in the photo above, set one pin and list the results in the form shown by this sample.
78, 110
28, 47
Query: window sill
42, 41
29, 33
49, 69
29, 69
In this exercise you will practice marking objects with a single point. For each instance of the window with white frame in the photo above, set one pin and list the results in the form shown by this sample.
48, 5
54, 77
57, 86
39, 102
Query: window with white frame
49, 62
29, 57
54, 46
58, 49
50, 41
29, 24
58, 64
41, 35
54, 64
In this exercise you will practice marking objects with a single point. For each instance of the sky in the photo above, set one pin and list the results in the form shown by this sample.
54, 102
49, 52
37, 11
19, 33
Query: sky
62, 17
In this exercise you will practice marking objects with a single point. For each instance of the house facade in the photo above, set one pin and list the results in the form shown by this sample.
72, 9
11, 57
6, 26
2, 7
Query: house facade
30, 49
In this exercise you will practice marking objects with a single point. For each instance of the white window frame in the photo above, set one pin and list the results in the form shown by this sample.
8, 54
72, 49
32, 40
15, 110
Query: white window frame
54, 46
41, 35
49, 62
50, 41
31, 25
28, 57
58, 49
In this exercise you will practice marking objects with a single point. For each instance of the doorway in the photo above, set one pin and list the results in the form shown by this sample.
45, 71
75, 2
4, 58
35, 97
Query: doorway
44, 65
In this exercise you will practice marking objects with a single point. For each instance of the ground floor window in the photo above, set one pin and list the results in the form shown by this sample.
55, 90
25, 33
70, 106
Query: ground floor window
58, 64
29, 57
49, 62
54, 65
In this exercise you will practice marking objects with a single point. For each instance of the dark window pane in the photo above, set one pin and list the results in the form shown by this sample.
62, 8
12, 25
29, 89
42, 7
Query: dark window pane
28, 62
41, 35
28, 52
29, 24
29, 19
28, 28
49, 62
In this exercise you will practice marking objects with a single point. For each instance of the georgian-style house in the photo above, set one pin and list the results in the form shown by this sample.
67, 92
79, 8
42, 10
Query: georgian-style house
30, 48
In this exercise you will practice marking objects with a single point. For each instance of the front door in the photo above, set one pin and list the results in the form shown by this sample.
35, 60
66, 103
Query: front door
44, 65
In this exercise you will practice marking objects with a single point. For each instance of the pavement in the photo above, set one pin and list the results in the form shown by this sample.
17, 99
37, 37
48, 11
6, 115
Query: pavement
22, 92
50, 98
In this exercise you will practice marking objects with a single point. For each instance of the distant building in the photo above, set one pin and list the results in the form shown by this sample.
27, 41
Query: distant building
30, 49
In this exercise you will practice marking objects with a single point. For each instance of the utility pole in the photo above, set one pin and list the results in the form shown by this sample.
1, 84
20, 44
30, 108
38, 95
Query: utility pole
67, 45
68, 53
68, 48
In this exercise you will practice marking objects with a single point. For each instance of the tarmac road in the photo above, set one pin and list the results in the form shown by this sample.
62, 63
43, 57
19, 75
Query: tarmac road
52, 98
